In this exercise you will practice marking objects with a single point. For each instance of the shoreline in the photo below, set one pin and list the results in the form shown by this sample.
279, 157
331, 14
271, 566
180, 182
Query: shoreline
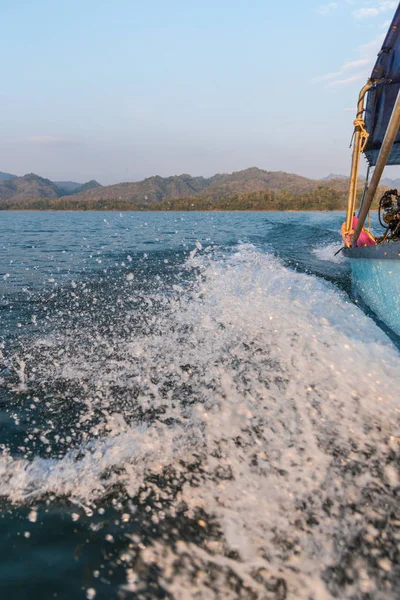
33, 210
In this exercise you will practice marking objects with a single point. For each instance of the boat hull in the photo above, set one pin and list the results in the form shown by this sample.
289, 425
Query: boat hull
375, 274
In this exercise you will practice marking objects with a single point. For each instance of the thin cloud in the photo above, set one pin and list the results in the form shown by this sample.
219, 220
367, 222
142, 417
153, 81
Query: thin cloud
373, 11
361, 66
354, 64
327, 77
346, 81
371, 49
327, 9
348, 65
364, 13
46, 139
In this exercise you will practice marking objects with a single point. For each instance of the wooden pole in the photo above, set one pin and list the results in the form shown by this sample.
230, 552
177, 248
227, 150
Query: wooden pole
387, 144
355, 160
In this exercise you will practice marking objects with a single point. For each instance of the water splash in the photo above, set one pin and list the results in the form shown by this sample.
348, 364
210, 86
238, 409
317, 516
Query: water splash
253, 401
328, 252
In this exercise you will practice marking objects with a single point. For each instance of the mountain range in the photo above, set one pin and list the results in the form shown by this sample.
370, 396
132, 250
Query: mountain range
334, 176
6, 176
391, 183
38, 192
31, 186
156, 189
385, 181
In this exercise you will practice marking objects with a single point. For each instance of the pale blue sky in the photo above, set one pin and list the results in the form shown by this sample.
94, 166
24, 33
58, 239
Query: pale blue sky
126, 89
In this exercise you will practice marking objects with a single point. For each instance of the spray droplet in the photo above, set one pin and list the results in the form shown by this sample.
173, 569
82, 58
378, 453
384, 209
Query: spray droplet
32, 516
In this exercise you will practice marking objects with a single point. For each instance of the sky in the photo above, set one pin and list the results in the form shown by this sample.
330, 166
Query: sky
126, 89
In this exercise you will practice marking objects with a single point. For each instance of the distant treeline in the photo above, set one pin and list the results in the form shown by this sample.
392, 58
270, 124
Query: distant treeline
321, 199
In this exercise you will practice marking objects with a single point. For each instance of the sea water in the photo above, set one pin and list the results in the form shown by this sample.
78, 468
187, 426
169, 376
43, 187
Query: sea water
192, 405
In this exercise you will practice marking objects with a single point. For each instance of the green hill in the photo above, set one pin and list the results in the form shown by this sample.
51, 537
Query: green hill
27, 187
157, 189
6, 176
250, 189
32, 187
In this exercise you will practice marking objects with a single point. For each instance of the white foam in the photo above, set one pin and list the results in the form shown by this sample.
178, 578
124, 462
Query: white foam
328, 252
282, 367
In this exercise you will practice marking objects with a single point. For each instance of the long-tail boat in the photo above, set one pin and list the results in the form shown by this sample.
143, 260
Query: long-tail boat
375, 259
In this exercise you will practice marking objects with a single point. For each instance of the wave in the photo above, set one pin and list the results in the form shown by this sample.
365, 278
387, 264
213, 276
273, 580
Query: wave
328, 252
268, 398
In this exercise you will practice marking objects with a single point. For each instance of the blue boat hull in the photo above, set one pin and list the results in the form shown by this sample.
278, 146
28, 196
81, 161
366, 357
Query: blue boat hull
376, 278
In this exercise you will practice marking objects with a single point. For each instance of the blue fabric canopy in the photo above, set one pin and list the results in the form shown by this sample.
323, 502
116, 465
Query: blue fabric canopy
382, 96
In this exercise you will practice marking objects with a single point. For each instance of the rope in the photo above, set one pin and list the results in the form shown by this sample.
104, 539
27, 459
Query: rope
359, 122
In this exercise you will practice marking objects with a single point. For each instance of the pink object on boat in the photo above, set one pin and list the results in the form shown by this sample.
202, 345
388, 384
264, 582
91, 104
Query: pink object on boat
365, 238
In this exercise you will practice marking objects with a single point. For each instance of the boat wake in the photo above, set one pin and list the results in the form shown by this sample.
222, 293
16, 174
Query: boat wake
242, 419
328, 252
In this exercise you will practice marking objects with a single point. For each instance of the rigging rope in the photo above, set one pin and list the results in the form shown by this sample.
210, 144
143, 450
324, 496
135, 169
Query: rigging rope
359, 122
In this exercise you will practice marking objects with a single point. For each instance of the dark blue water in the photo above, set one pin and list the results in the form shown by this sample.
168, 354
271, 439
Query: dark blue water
192, 406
